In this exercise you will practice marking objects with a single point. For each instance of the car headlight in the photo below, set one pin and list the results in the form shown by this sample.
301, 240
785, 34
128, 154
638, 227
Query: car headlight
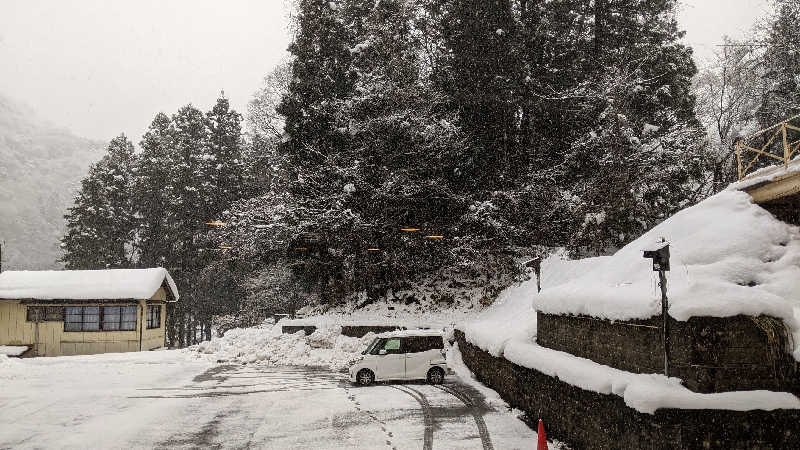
354, 361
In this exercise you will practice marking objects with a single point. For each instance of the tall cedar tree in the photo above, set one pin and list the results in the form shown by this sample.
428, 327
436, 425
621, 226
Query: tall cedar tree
782, 65
479, 73
101, 224
150, 187
321, 74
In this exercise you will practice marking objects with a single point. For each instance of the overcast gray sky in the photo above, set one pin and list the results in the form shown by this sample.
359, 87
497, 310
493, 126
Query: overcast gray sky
101, 67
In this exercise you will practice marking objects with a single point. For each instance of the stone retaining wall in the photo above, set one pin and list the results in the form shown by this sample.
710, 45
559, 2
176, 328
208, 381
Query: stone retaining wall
292, 329
710, 354
588, 420
356, 331
360, 331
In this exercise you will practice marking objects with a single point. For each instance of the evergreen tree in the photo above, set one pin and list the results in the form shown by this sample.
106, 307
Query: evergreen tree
226, 168
613, 88
101, 225
150, 187
321, 74
480, 73
782, 66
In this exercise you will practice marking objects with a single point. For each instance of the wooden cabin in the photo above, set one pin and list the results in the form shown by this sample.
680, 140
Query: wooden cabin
84, 312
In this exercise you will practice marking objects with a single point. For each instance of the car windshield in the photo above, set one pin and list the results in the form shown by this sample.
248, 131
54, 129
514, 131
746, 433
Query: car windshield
371, 346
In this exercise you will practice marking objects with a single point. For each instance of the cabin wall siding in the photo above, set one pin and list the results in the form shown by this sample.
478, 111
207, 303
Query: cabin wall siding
54, 341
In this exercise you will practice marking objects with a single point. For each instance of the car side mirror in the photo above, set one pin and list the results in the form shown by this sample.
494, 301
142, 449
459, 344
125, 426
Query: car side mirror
382, 351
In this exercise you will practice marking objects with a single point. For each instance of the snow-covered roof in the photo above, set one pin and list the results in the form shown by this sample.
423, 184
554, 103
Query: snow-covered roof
728, 257
85, 284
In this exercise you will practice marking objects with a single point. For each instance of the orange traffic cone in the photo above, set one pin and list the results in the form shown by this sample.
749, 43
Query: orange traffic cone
542, 437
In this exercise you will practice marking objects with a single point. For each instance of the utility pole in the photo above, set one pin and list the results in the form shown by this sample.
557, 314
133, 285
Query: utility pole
660, 257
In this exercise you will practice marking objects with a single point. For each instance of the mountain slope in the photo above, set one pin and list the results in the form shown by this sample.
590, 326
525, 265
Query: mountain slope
40, 169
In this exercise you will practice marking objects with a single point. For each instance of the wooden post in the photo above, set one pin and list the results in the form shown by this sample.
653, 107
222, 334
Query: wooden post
662, 282
785, 146
739, 158
141, 324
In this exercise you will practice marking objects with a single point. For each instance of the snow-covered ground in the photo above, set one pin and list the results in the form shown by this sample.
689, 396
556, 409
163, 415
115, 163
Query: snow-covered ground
185, 399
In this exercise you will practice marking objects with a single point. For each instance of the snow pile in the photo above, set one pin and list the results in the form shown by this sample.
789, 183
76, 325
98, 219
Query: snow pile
85, 284
9, 367
512, 316
728, 257
267, 345
5, 361
13, 350
644, 392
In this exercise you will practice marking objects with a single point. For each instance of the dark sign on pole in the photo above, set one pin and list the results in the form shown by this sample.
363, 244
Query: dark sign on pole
536, 265
660, 257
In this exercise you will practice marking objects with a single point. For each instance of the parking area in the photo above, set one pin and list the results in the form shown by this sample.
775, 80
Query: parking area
173, 402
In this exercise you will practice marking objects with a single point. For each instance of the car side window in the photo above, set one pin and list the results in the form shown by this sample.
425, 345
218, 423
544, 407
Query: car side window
392, 346
372, 348
434, 342
377, 346
414, 345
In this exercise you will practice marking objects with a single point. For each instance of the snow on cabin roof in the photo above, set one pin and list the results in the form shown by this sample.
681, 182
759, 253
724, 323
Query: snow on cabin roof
728, 257
85, 284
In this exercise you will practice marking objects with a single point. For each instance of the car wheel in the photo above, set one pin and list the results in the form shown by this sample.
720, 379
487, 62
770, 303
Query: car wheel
436, 376
365, 377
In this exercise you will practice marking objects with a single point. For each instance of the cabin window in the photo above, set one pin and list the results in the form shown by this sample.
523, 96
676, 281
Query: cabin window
45, 314
81, 318
119, 318
96, 318
154, 316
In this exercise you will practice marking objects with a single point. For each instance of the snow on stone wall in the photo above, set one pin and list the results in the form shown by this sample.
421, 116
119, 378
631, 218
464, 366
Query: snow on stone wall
728, 257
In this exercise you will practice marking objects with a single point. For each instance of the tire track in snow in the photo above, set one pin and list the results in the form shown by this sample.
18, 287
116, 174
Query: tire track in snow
427, 442
483, 431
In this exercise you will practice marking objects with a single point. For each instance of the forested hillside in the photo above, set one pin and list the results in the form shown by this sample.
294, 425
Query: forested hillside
420, 150
40, 167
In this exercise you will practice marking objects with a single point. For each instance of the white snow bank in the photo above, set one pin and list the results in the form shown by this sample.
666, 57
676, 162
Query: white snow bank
267, 345
512, 316
728, 257
644, 392
85, 284
456, 362
13, 350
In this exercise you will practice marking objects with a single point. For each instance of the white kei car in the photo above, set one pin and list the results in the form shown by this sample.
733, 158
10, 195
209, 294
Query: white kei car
402, 355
